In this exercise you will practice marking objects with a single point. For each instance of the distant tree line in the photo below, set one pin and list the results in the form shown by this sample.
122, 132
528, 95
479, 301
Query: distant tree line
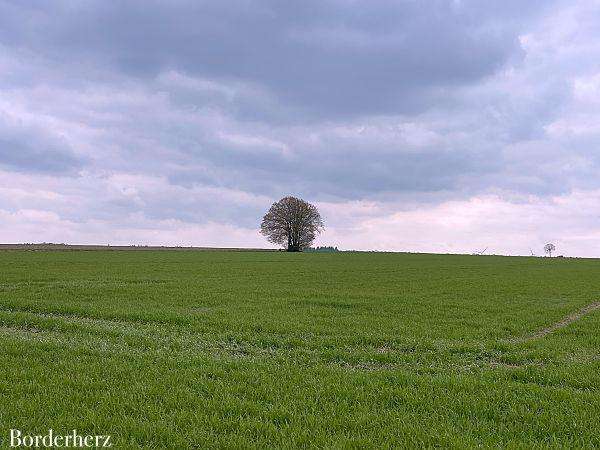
325, 249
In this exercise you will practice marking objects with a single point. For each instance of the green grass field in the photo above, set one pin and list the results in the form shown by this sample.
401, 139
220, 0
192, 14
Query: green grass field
250, 349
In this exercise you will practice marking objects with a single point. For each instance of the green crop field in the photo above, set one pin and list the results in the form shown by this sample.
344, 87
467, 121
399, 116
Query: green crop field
256, 349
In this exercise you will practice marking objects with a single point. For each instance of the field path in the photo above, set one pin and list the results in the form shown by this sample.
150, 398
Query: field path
560, 324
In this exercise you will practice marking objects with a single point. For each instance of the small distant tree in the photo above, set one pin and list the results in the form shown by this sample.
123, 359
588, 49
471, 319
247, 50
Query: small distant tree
549, 248
292, 223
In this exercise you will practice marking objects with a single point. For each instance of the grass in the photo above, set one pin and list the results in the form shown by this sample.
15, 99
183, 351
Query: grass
249, 349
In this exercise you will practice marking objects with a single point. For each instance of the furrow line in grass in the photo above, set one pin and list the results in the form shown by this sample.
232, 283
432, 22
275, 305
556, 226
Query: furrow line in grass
588, 309
124, 321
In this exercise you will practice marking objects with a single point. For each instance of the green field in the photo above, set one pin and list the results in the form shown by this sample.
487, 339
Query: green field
255, 349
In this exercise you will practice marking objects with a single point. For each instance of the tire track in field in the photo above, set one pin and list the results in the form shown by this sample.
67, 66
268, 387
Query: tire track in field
560, 324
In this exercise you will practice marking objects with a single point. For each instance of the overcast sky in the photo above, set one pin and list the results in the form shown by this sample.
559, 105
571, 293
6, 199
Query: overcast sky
434, 126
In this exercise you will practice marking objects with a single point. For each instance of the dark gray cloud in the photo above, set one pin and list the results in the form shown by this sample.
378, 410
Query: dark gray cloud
323, 58
29, 149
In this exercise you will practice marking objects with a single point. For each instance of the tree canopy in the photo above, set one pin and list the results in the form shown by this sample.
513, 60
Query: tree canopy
549, 248
292, 223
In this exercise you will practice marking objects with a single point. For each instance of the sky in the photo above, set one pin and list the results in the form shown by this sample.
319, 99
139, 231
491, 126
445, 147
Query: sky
422, 126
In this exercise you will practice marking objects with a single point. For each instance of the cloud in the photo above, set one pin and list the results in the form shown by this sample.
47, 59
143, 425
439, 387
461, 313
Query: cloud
33, 226
186, 116
31, 149
473, 225
326, 58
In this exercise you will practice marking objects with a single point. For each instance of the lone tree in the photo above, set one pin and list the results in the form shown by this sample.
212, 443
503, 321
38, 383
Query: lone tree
549, 248
293, 223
